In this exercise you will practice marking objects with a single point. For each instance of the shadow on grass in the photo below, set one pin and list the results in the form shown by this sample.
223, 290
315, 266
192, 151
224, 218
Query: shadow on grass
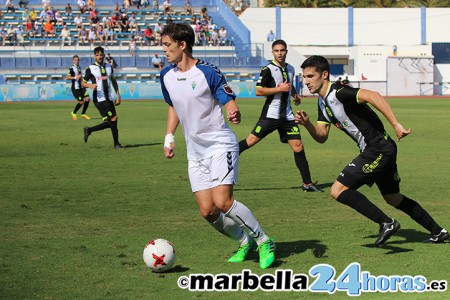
286, 249
176, 269
409, 235
321, 186
142, 145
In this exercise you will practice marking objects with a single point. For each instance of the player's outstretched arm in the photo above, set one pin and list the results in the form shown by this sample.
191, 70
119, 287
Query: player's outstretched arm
169, 140
377, 101
319, 132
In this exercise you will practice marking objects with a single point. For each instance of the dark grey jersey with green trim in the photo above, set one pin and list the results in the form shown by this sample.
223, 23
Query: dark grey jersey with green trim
277, 106
341, 108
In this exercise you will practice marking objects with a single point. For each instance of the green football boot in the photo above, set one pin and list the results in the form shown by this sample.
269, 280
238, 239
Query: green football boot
242, 252
266, 253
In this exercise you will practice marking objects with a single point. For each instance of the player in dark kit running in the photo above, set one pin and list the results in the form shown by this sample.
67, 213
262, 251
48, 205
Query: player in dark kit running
80, 93
101, 76
275, 82
347, 109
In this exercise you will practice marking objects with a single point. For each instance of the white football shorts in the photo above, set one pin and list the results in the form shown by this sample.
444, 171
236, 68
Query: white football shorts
221, 168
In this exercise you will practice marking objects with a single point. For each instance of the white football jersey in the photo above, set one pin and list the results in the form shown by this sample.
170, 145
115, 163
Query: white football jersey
197, 96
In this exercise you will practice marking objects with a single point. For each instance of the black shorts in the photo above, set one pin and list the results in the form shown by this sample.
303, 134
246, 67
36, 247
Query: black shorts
375, 165
80, 94
107, 109
288, 130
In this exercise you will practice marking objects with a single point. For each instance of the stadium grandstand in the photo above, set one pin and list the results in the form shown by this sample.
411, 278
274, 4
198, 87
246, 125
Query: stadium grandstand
31, 54
375, 48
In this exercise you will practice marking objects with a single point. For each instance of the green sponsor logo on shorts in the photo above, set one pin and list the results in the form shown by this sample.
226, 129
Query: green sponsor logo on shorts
368, 168
258, 129
294, 130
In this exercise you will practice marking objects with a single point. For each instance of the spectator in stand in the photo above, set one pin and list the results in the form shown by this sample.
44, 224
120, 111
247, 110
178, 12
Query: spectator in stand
197, 32
37, 28
138, 35
215, 37
3, 35
2, 16
157, 62
123, 22
123, 9
91, 5
126, 3
45, 4
51, 15
65, 35
10, 6
33, 15
132, 46
59, 18
49, 28
82, 6
11, 35
106, 20
109, 34
19, 35
114, 21
223, 35
136, 3
92, 34
78, 20
110, 60
29, 30
132, 21
23, 3
157, 33
101, 34
25, 15
188, 8
144, 3
271, 36
43, 16
68, 10
116, 8
148, 33
82, 35
167, 7
204, 12
155, 7
94, 19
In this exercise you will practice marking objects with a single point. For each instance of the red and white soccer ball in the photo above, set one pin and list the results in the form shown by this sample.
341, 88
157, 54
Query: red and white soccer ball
159, 255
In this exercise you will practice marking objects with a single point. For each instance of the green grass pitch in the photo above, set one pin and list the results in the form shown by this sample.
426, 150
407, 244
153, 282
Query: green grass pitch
75, 217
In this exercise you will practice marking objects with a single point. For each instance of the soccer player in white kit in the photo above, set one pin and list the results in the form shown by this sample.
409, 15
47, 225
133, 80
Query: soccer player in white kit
196, 91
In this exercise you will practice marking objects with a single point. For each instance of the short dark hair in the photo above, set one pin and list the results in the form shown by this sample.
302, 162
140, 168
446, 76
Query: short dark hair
99, 49
180, 32
279, 42
318, 62
74, 56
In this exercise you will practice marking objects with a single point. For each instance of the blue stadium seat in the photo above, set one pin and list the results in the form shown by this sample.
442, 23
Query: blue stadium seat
23, 62
38, 62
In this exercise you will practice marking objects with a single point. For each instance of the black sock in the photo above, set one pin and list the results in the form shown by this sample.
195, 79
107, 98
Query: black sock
114, 131
418, 214
77, 107
361, 204
303, 166
243, 146
98, 127
85, 107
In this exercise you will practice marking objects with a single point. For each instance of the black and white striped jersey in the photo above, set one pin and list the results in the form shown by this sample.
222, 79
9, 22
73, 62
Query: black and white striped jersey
277, 106
100, 75
74, 71
341, 108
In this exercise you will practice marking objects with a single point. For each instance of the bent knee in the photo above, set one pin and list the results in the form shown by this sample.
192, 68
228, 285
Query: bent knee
393, 199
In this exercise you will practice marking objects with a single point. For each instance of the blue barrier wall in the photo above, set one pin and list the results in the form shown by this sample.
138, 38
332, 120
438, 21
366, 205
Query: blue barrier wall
128, 91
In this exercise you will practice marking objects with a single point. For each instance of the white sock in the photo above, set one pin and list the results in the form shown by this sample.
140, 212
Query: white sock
244, 217
231, 229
